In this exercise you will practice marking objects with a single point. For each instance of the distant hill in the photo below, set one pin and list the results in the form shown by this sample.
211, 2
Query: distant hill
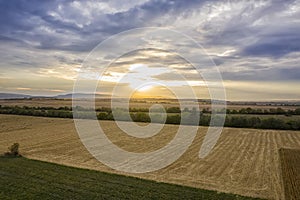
61, 96
13, 96
80, 96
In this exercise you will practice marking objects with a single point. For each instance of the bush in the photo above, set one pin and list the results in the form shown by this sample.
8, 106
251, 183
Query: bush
13, 150
173, 110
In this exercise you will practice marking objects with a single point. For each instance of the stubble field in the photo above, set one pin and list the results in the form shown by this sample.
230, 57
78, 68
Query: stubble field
290, 170
244, 161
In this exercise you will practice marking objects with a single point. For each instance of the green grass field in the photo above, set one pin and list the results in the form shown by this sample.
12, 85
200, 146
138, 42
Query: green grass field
22, 178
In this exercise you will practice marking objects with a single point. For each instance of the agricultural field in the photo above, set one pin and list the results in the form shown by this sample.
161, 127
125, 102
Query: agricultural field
290, 171
244, 162
22, 178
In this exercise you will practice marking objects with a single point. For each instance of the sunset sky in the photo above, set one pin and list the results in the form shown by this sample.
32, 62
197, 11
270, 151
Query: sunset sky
255, 45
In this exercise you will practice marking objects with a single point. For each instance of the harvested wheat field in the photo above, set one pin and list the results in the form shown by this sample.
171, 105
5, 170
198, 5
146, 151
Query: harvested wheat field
244, 161
290, 169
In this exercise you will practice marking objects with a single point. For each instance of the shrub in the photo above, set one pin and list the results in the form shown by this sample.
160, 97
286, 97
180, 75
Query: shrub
13, 150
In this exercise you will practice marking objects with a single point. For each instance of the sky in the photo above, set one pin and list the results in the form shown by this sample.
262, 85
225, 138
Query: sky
254, 44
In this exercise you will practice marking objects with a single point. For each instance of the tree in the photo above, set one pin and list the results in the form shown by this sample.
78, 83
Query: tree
273, 123
102, 116
142, 117
280, 111
173, 119
173, 110
297, 111
13, 150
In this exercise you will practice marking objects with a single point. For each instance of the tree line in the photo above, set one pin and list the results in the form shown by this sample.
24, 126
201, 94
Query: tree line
186, 117
252, 111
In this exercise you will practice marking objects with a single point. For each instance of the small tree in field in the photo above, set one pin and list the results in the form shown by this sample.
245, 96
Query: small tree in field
13, 150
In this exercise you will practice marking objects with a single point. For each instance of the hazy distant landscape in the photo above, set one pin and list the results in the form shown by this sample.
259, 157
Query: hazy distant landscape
150, 99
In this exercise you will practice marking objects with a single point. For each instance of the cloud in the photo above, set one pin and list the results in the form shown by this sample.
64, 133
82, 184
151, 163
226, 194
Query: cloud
269, 74
80, 25
247, 40
276, 45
